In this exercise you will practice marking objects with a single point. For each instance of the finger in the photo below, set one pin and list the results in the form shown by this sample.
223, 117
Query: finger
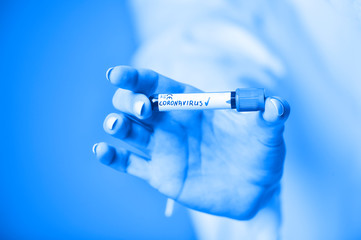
123, 128
145, 81
122, 160
134, 104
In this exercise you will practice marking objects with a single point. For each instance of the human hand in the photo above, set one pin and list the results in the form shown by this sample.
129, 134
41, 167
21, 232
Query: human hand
220, 162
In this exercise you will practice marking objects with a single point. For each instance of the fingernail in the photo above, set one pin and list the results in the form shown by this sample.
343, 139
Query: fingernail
94, 148
107, 74
111, 122
138, 108
278, 106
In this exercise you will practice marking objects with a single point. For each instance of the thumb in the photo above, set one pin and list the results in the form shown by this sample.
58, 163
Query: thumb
272, 120
276, 111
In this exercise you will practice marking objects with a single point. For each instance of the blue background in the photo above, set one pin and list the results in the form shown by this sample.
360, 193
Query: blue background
54, 97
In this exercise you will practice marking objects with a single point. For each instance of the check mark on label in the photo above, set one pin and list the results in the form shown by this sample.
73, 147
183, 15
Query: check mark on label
206, 103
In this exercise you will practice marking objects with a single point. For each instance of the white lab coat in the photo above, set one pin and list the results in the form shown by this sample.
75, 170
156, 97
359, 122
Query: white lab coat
308, 52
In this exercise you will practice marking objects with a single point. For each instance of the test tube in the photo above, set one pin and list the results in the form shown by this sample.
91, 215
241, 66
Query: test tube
243, 99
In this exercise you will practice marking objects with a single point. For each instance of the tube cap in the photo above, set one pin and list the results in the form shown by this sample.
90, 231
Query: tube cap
250, 99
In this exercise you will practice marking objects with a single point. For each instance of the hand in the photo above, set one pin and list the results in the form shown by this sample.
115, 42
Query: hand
220, 162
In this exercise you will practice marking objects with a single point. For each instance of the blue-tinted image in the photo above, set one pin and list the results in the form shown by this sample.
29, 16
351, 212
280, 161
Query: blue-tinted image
180, 119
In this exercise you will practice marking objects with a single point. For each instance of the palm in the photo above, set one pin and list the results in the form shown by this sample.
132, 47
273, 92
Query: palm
205, 161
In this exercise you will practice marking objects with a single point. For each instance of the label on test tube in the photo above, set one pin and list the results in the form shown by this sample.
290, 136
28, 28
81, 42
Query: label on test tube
243, 100
194, 101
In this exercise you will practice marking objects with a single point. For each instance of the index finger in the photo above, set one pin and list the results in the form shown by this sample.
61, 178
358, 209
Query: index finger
145, 81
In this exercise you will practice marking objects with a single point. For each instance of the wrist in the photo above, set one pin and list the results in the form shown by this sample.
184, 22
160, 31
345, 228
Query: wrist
265, 224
